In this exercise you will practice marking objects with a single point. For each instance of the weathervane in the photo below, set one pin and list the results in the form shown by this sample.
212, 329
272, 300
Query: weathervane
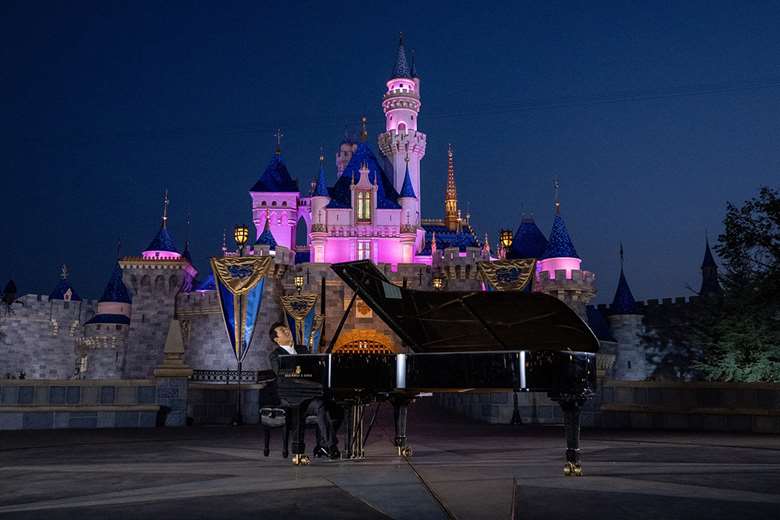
278, 136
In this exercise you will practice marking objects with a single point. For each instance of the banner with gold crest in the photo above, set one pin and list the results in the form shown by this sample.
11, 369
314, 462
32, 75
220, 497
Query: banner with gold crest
305, 324
240, 282
507, 275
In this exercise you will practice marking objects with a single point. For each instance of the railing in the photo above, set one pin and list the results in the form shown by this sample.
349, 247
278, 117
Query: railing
248, 377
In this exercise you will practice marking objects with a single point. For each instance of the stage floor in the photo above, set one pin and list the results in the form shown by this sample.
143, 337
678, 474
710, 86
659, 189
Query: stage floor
466, 470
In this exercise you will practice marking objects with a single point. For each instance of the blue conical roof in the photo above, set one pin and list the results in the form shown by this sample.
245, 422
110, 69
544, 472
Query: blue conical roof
709, 260
275, 178
321, 189
623, 302
116, 291
407, 190
529, 241
266, 238
163, 241
62, 287
559, 245
401, 68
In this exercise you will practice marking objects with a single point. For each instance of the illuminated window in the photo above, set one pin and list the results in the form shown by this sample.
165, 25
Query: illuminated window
364, 250
364, 206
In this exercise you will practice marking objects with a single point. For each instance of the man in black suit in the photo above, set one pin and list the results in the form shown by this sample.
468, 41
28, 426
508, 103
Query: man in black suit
327, 443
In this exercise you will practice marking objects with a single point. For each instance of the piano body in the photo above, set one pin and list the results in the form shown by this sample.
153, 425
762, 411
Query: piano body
455, 342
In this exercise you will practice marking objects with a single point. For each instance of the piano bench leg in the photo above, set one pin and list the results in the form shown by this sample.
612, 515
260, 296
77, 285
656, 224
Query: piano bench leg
266, 441
285, 441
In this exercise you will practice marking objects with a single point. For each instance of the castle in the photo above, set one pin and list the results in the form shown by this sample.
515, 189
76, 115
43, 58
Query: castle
371, 211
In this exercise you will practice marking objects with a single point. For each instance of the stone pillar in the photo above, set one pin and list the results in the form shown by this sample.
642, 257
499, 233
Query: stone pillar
171, 376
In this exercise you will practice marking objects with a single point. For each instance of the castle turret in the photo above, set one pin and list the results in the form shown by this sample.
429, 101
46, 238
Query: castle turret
409, 218
64, 291
401, 105
626, 324
102, 347
558, 271
266, 238
162, 246
276, 195
153, 280
710, 285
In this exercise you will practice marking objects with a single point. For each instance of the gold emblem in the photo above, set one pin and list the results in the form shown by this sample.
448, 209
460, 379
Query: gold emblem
298, 370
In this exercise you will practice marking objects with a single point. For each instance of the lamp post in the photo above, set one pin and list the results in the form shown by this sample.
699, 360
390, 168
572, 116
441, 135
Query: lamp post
298, 280
438, 281
506, 241
241, 236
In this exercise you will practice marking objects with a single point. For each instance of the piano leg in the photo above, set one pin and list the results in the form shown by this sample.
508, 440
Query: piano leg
400, 405
299, 431
571, 405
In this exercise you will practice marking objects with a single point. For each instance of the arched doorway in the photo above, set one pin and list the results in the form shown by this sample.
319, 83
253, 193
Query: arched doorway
364, 341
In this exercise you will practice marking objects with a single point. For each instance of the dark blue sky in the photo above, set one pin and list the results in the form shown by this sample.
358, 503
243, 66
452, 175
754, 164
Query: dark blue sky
652, 114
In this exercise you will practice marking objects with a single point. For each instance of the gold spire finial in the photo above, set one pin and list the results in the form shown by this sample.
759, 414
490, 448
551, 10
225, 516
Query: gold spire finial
278, 136
224, 241
322, 155
165, 209
557, 186
363, 131
64, 272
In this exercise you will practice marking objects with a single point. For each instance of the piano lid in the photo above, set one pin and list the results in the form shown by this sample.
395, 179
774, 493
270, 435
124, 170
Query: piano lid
450, 321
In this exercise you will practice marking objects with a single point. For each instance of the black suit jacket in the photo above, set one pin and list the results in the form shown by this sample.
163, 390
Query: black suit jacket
273, 359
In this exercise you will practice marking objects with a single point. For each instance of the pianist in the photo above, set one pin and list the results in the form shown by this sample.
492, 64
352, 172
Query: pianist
327, 443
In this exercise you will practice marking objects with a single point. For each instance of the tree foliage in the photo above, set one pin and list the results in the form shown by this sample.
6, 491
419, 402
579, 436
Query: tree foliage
742, 343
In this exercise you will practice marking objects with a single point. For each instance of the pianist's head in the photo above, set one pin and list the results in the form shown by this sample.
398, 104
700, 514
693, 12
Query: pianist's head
280, 334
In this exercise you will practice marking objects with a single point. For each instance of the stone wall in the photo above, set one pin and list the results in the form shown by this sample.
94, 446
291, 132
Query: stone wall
639, 405
39, 336
46, 404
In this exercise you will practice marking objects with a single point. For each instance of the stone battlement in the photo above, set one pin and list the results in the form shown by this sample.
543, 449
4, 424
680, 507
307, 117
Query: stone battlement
645, 305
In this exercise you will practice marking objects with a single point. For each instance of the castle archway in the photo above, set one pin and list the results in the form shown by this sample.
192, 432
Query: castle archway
364, 341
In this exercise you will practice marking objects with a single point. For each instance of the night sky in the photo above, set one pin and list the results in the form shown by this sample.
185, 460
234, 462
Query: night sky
653, 115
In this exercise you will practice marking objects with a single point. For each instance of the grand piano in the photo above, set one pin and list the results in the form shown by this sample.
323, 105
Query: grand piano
473, 341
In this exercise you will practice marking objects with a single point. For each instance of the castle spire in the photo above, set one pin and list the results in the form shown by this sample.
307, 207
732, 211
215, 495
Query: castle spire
451, 195
321, 187
278, 135
710, 285
165, 210
401, 68
623, 302
363, 131
407, 190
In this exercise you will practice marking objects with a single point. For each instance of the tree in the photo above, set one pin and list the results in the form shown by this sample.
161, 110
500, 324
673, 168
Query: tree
743, 343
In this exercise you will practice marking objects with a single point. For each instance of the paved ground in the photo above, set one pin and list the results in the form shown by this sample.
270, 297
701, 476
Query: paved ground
220, 472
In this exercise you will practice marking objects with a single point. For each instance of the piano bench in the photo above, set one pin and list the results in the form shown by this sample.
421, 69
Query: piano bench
271, 418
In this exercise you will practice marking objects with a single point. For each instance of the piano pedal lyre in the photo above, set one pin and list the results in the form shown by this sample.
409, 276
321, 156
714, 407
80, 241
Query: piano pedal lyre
572, 469
300, 459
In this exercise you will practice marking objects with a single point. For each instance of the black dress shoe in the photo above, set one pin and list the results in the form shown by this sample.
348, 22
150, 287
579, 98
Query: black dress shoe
320, 451
334, 453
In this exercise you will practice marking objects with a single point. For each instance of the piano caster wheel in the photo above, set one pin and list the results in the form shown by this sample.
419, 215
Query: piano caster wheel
301, 460
572, 469
404, 451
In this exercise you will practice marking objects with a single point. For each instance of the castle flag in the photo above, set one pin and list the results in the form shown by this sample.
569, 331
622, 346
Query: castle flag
304, 322
507, 275
240, 282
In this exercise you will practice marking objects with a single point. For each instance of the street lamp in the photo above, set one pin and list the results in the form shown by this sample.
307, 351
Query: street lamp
298, 282
241, 236
506, 238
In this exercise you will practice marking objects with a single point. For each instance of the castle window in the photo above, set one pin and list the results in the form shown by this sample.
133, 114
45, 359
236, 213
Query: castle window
284, 203
364, 250
118, 327
364, 206
273, 203
629, 364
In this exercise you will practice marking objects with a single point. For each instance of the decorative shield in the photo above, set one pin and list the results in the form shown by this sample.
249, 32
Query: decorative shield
507, 275
301, 317
240, 282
